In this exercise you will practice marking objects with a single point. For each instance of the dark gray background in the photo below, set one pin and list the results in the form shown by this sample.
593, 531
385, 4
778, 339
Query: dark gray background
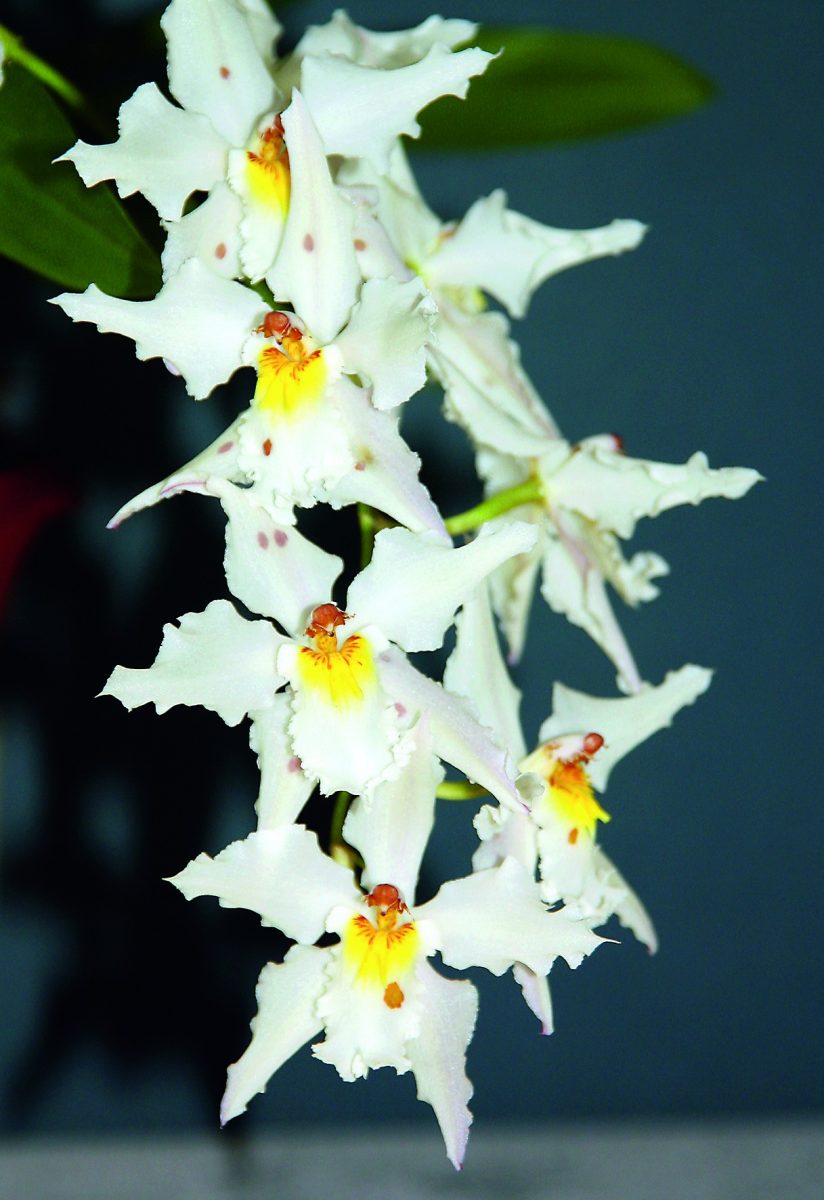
701, 339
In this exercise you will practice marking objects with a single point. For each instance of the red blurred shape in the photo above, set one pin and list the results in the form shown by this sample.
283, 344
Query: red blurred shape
27, 499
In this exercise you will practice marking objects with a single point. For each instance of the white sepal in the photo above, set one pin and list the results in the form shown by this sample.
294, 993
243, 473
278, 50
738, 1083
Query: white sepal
407, 566
385, 470
391, 828
286, 1018
624, 722
449, 1008
213, 658
198, 322
284, 785
342, 37
476, 671
510, 255
272, 568
629, 909
215, 66
280, 874
381, 104
535, 991
162, 152
615, 491
210, 232
495, 918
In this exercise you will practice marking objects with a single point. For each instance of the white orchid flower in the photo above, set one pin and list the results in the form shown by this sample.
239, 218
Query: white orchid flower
225, 134
589, 496
373, 994
352, 697
578, 746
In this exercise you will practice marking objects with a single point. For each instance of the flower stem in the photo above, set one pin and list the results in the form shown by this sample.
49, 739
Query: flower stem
17, 52
528, 492
340, 850
371, 522
459, 790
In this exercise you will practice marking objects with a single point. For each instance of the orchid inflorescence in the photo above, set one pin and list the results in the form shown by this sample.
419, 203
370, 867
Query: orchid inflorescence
298, 244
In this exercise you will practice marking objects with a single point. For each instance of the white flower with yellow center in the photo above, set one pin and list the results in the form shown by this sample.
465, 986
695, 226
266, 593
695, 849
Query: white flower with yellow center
592, 495
373, 994
578, 746
225, 137
351, 696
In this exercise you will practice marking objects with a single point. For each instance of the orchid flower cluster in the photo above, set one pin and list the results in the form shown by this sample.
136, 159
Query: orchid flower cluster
298, 245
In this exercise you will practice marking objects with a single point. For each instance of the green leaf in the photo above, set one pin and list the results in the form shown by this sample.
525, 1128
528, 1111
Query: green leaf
49, 221
556, 85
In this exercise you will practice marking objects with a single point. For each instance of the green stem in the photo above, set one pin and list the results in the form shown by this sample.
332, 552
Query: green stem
339, 811
17, 52
264, 292
459, 790
528, 492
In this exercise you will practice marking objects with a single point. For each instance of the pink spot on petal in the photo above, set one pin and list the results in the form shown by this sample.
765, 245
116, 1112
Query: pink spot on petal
360, 466
225, 72
400, 709
263, 541
280, 538
360, 244
308, 242
294, 764
220, 250
385, 656
225, 448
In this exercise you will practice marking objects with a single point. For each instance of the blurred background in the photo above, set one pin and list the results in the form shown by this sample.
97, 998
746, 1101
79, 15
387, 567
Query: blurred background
121, 1003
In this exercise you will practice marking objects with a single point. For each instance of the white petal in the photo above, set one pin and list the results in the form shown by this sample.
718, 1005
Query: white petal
198, 322
384, 473
495, 918
407, 567
315, 268
162, 151
626, 722
510, 255
449, 1008
214, 658
215, 66
284, 786
629, 910
386, 337
457, 737
476, 671
535, 991
573, 586
274, 570
286, 993
615, 491
401, 212
362, 1032
381, 104
391, 828
378, 49
280, 874
211, 232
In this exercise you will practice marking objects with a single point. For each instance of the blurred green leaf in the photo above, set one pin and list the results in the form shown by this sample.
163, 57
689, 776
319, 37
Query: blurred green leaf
556, 85
49, 221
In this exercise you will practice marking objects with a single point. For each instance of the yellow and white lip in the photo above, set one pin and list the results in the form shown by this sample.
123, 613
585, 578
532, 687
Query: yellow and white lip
380, 954
343, 728
291, 379
260, 175
267, 171
568, 800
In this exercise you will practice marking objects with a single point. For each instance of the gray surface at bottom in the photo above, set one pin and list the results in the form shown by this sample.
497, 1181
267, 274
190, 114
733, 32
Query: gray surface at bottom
617, 1161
